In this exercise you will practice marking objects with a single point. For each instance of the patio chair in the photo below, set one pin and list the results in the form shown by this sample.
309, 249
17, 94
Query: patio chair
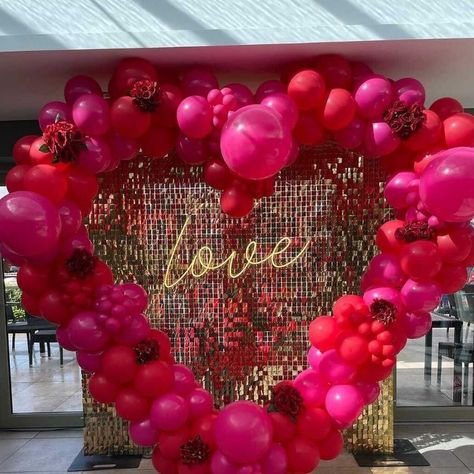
44, 336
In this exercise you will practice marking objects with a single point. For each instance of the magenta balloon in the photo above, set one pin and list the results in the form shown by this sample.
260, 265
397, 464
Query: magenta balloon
267, 88
91, 114
62, 336
398, 187
198, 82
200, 402
169, 412
194, 117
243, 432
284, 106
29, 224
136, 331
136, 294
10, 256
77, 241
97, 157
379, 139
383, 293
369, 391
184, 381
373, 97
193, 151
417, 324
71, 218
254, 142
53, 112
420, 295
410, 91
80, 85
384, 270
447, 185
276, 461
344, 404
312, 387
294, 153
143, 433
351, 136
334, 369
314, 358
124, 148
86, 334
221, 465
89, 361
360, 71
242, 94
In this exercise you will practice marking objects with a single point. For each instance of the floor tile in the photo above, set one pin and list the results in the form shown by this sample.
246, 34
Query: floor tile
466, 455
8, 447
145, 464
78, 433
442, 458
17, 434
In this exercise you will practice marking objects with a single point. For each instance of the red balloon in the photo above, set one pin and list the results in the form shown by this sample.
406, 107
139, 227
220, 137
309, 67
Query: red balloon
452, 278
345, 307
261, 188
163, 465
170, 98
131, 406
385, 237
30, 303
33, 280
307, 89
217, 174
338, 110
37, 154
14, 180
372, 373
102, 389
399, 160
163, 342
21, 149
420, 260
102, 274
128, 71
428, 134
308, 131
82, 185
119, 364
283, 428
153, 379
128, 119
303, 455
204, 427
454, 245
53, 308
336, 70
236, 201
331, 446
158, 141
423, 159
446, 106
353, 348
323, 332
459, 130
46, 180
170, 442
314, 423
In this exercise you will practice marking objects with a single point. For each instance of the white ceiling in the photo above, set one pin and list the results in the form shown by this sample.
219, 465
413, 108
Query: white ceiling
29, 79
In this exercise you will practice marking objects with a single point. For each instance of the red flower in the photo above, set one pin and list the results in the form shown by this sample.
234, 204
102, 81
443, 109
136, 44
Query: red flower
404, 119
287, 400
416, 230
383, 311
145, 95
147, 351
195, 451
81, 263
64, 140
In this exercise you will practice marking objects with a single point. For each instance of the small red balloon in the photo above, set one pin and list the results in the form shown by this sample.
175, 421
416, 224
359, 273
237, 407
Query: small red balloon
130, 405
170, 442
323, 332
236, 201
21, 149
158, 141
339, 109
308, 131
428, 134
307, 89
15, 178
385, 237
446, 106
314, 423
335, 69
420, 260
353, 349
217, 174
303, 455
454, 245
102, 389
459, 130
119, 364
452, 278
331, 446
39, 152
153, 379
33, 280
46, 180
128, 119
283, 428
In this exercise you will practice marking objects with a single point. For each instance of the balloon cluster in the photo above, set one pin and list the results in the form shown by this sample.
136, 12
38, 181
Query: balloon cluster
242, 140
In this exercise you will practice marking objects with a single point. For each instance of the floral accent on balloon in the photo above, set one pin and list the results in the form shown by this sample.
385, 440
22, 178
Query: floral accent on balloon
195, 451
383, 311
404, 119
81, 263
64, 140
287, 400
147, 351
415, 230
145, 95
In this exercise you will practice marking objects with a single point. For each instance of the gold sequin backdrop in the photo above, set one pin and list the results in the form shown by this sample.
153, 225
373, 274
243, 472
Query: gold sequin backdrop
242, 335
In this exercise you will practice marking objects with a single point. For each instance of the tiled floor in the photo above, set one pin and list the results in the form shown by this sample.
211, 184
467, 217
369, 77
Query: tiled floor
449, 449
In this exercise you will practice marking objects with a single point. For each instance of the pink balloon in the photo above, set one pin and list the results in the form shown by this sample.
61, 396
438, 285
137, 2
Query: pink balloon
86, 334
62, 336
200, 402
71, 218
169, 412
242, 94
379, 139
420, 295
374, 96
53, 112
91, 114
136, 331
243, 432
221, 465
193, 151
369, 391
135, 294
398, 188
334, 369
312, 387
383, 293
124, 148
344, 403
276, 461
384, 270
351, 136
97, 157
447, 185
143, 433
80, 85
284, 106
89, 361
184, 381
77, 241
10, 256
29, 224
417, 324
314, 358
254, 142
410, 91
198, 82
267, 88
194, 117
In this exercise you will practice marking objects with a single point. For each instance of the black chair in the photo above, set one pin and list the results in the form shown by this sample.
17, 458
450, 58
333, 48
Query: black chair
44, 335
15, 327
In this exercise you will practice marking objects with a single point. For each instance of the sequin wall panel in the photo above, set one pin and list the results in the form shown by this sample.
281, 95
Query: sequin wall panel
242, 335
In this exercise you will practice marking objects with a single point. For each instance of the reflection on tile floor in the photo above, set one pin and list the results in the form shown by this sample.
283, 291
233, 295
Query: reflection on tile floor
449, 448
45, 386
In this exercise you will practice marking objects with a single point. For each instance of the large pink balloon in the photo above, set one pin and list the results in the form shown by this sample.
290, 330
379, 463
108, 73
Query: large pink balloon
143, 433
86, 334
373, 97
169, 412
29, 224
243, 432
255, 143
344, 403
334, 369
420, 295
447, 185
91, 114
384, 270
398, 187
312, 387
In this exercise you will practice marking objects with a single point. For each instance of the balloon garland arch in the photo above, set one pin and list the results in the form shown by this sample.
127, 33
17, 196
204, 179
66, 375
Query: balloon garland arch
242, 140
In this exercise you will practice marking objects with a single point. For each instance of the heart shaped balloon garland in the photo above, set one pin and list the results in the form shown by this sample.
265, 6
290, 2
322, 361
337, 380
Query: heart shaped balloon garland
243, 140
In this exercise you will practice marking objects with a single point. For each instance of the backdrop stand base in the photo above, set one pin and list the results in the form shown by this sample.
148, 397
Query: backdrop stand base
98, 462
404, 454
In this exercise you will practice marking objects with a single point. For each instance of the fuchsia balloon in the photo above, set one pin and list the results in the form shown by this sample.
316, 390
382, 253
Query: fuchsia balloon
383, 293
373, 97
62, 335
284, 106
420, 295
143, 433
334, 369
243, 432
398, 187
255, 143
312, 387
53, 112
242, 94
123, 148
267, 88
91, 114
379, 139
29, 224
353, 135
410, 91
80, 85
194, 116
71, 218
200, 402
344, 403
169, 412
314, 358
276, 461
220, 464
447, 185
384, 270
97, 157
89, 361
417, 324
136, 331
369, 391
184, 381
86, 334
199, 82
192, 151
136, 298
